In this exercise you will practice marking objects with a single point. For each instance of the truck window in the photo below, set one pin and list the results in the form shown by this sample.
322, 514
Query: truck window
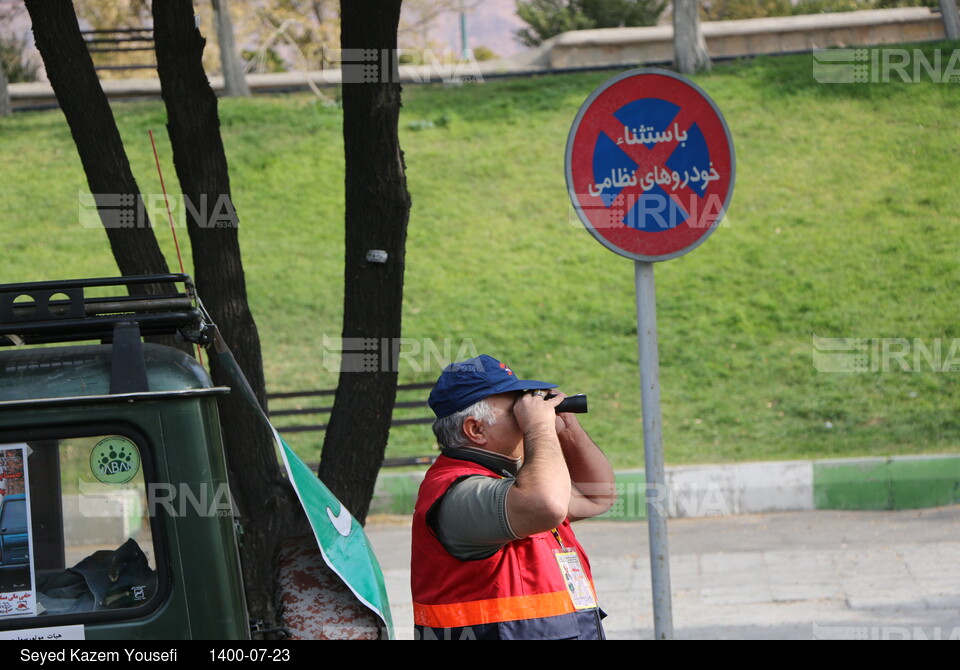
77, 543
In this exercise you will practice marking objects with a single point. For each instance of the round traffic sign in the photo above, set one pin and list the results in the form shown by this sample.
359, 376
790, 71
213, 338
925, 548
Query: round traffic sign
650, 165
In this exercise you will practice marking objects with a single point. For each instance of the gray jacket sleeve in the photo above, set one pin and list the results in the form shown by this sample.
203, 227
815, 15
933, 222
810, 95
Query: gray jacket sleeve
471, 521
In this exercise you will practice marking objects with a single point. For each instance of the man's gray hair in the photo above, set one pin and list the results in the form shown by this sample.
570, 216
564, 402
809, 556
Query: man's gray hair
449, 429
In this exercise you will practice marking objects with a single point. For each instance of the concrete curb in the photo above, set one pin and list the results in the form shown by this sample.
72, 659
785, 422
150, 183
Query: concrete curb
888, 483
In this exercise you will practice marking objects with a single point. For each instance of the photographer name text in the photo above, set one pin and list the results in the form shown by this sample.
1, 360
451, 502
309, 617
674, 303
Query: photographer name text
81, 656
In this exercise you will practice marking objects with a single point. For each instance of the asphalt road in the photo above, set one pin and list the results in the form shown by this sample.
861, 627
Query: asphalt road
788, 575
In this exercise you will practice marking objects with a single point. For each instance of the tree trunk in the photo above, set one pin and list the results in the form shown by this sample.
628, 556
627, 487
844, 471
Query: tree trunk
267, 505
84, 104
377, 211
234, 81
4, 93
951, 19
689, 47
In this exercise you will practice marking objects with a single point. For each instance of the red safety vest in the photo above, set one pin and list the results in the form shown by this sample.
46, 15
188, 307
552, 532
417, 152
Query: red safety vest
519, 592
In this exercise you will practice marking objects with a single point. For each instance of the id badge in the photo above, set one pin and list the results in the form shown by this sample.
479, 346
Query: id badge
578, 584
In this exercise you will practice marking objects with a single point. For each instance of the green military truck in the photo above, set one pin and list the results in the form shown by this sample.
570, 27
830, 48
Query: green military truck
113, 452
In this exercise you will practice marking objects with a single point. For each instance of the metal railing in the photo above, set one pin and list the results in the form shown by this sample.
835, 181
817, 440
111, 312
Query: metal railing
313, 405
117, 41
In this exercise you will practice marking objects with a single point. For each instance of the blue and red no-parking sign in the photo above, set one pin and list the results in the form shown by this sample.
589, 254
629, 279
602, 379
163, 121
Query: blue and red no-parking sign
650, 165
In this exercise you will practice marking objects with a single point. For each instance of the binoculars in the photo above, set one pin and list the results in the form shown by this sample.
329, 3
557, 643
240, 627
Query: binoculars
575, 404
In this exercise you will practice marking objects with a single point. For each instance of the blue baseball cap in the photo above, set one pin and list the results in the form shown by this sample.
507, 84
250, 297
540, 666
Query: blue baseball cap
462, 384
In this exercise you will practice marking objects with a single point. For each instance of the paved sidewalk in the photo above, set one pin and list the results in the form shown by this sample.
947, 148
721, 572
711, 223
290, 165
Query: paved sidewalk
786, 575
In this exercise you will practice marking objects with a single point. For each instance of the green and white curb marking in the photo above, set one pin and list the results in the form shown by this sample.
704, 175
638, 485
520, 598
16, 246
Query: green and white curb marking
897, 482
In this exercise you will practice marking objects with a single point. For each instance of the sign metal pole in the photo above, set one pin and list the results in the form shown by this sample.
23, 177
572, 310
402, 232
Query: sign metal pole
650, 169
656, 488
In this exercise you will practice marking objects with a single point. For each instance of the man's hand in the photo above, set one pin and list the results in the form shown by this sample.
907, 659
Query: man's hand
566, 421
535, 412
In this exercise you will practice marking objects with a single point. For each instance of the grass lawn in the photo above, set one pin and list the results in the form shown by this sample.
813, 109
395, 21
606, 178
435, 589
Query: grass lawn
843, 225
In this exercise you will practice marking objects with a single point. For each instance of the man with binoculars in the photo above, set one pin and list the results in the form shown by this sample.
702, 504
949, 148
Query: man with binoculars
493, 555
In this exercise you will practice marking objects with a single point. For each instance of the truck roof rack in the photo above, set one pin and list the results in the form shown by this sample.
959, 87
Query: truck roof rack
62, 311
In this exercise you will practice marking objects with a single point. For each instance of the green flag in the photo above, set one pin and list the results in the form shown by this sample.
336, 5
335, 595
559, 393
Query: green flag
340, 537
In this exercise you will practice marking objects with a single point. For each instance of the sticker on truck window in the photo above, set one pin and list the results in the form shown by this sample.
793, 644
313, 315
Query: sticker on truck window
17, 594
115, 460
56, 633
